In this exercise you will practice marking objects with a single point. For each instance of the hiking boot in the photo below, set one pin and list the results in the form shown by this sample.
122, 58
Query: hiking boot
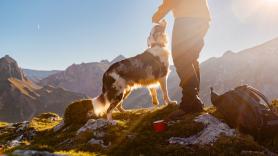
196, 107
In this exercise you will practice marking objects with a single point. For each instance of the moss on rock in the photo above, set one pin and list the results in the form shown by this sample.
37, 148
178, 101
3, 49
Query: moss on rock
3, 124
44, 121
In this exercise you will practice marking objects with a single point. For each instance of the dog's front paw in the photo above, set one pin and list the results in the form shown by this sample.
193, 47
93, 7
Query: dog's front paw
172, 103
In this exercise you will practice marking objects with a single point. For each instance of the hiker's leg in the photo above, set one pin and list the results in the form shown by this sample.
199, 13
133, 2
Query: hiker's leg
153, 94
163, 86
197, 70
189, 84
185, 52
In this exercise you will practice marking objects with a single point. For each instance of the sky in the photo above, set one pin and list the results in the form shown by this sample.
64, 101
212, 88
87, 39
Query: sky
51, 34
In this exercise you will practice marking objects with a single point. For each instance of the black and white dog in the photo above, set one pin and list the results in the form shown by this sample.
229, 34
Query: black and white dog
149, 69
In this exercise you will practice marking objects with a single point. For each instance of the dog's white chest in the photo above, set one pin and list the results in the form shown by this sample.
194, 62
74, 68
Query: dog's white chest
162, 53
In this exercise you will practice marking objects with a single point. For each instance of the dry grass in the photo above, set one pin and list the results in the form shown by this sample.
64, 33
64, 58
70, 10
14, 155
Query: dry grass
25, 87
3, 124
45, 121
134, 135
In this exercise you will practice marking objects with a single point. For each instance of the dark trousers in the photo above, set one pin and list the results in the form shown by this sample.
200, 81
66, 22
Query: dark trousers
188, 41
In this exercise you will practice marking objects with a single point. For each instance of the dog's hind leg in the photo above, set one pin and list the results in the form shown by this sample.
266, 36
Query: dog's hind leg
153, 94
163, 86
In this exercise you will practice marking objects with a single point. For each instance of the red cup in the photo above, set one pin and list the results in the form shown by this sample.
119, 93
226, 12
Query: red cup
159, 126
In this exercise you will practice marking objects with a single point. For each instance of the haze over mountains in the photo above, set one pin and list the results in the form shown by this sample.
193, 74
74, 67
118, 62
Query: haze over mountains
21, 99
256, 66
83, 78
37, 75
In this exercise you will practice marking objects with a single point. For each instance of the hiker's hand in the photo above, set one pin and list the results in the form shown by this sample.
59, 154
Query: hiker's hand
156, 18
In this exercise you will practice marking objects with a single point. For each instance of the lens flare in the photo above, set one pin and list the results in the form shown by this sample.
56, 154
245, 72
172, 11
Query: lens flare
271, 3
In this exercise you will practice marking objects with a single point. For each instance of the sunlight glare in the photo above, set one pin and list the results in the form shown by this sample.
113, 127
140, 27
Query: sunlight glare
271, 2
265, 9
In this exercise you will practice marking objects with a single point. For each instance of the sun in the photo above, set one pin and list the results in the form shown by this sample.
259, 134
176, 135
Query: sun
271, 2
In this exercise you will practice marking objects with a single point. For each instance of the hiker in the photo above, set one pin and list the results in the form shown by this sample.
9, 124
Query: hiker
192, 20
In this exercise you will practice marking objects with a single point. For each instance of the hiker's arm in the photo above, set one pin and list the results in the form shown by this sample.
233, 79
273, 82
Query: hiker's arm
162, 11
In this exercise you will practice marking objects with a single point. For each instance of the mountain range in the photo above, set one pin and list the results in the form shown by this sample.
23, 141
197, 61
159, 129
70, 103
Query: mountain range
21, 99
257, 66
85, 78
37, 75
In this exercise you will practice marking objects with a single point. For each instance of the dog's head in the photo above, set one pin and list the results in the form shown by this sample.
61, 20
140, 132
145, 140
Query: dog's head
158, 36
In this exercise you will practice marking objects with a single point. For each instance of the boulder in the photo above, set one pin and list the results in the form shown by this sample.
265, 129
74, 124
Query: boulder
93, 128
79, 112
49, 117
33, 153
19, 132
96, 143
213, 129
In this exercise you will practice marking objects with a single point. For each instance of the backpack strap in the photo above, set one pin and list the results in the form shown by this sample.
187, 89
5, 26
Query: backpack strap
261, 95
273, 122
244, 93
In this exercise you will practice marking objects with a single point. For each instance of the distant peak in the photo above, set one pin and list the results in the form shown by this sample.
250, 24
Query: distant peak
7, 59
104, 61
118, 58
229, 52
7, 56
10, 69
272, 42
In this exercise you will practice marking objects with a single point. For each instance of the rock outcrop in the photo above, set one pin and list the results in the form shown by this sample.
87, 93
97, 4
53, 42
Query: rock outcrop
212, 131
34, 153
9, 68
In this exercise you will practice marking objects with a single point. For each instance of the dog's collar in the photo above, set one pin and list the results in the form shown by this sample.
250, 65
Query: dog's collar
157, 44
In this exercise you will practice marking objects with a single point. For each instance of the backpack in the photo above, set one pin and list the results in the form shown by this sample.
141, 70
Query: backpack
242, 109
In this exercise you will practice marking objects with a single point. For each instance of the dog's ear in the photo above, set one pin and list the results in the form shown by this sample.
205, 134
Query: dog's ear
163, 23
149, 42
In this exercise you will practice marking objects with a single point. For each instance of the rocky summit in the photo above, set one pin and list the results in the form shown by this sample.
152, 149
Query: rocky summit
10, 69
21, 99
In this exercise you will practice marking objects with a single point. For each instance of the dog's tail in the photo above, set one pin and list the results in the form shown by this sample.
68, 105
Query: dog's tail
100, 105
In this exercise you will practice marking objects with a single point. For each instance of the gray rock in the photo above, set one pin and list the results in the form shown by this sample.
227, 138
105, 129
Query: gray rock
59, 126
93, 125
22, 126
94, 142
93, 128
214, 128
33, 153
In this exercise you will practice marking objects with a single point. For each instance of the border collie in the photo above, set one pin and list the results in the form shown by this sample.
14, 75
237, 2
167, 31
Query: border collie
149, 69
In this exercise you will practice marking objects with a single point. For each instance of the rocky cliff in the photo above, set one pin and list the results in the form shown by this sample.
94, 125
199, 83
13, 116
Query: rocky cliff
21, 99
